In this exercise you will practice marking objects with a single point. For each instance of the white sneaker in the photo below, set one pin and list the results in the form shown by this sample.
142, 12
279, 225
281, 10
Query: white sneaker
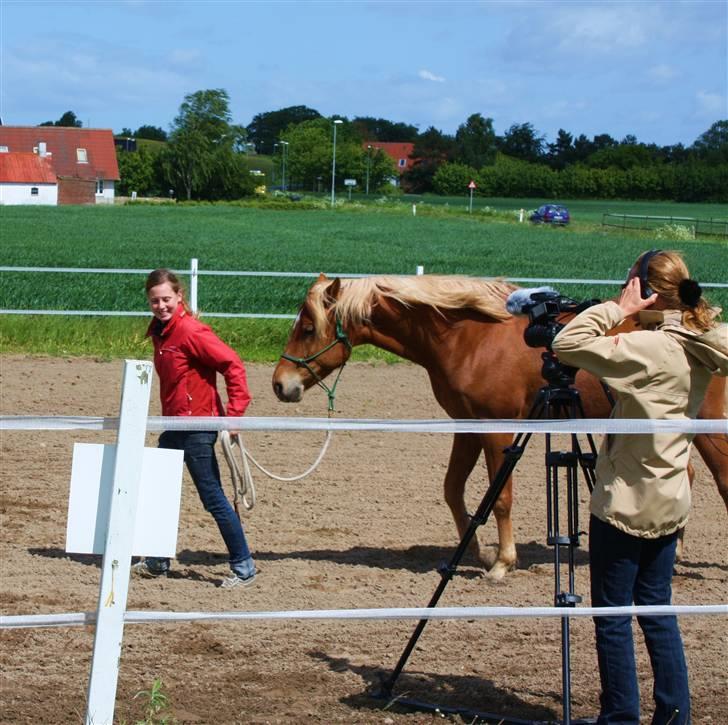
236, 581
141, 569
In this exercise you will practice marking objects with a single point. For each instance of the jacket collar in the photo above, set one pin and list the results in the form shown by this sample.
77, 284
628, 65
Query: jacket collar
156, 329
655, 319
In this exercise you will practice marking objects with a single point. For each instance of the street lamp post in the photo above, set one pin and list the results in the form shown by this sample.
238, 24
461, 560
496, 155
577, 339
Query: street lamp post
369, 160
337, 122
284, 144
273, 168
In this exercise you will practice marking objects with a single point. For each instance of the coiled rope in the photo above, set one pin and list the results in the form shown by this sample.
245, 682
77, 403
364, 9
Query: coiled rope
243, 485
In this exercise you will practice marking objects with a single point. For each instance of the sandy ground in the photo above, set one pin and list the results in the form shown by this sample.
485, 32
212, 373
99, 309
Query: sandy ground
368, 529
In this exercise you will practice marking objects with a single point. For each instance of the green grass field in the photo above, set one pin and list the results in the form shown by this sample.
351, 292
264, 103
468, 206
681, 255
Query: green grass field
376, 238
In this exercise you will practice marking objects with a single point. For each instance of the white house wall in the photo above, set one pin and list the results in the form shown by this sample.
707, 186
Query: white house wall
107, 197
14, 194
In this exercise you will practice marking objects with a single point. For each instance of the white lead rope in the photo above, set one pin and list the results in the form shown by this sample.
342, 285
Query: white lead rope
243, 485
240, 470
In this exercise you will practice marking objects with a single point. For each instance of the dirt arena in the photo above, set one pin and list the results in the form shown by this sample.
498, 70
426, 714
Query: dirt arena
368, 529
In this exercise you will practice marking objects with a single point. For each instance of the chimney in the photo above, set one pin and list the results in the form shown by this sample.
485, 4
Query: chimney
42, 148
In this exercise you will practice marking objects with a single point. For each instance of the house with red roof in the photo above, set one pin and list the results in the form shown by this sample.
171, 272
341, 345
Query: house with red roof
399, 152
82, 159
26, 178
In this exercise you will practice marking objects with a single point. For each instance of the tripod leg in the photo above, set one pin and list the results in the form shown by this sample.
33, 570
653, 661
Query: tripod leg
512, 456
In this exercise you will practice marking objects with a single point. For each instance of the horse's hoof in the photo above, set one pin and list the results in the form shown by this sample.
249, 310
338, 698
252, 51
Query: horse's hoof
489, 557
498, 571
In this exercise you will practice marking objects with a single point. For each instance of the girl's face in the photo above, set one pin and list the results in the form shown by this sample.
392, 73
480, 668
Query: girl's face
163, 301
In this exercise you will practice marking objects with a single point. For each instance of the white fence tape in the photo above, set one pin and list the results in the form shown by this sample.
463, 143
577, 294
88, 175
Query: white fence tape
81, 619
573, 425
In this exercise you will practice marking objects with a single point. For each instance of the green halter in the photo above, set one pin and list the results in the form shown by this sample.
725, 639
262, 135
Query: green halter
341, 337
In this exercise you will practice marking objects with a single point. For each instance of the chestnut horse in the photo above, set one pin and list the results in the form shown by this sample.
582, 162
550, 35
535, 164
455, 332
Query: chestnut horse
457, 328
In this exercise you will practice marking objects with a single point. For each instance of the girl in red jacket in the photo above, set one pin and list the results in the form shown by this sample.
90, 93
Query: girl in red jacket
187, 357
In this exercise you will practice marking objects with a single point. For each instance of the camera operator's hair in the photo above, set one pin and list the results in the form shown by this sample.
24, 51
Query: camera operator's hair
162, 275
665, 272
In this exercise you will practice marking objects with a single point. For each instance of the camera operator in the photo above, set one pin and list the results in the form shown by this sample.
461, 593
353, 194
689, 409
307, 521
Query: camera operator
642, 494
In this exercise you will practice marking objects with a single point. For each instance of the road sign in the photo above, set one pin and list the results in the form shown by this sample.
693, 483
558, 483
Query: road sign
472, 185
349, 182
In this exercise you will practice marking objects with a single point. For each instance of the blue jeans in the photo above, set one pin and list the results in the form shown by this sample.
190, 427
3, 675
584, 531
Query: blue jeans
626, 569
199, 456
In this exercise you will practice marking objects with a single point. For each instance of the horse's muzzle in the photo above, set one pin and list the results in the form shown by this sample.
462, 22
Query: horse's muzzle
288, 390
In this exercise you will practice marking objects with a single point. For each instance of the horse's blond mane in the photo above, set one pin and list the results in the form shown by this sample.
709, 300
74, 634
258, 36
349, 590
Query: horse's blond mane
357, 296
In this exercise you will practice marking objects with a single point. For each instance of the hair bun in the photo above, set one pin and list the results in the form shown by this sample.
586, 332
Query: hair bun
689, 292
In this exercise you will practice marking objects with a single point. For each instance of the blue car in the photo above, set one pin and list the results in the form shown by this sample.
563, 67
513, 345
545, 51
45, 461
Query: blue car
551, 214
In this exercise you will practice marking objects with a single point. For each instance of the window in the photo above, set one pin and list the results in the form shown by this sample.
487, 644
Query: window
99, 186
34, 191
81, 156
403, 162
3, 149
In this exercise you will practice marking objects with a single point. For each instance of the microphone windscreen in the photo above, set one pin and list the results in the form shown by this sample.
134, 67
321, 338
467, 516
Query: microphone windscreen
521, 298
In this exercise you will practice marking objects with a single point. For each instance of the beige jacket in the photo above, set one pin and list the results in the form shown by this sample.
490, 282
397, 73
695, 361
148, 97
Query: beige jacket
659, 372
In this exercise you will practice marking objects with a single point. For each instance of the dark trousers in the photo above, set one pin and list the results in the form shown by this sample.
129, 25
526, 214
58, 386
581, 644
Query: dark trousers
201, 462
626, 569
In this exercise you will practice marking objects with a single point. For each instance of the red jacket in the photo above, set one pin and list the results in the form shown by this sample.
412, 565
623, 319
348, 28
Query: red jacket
187, 357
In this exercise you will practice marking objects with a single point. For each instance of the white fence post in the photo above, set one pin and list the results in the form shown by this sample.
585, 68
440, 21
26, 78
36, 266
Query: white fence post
116, 564
193, 285
420, 270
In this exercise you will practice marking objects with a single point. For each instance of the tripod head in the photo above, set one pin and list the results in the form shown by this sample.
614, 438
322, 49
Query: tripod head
555, 373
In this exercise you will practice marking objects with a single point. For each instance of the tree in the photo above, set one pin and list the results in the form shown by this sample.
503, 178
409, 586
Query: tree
67, 119
152, 133
712, 146
203, 145
562, 152
521, 141
475, 142
432, 149
266, 128
140, 171
380, 129
310, 156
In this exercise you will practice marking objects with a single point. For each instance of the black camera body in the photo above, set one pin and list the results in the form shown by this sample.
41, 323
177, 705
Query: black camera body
543, 326
543, 311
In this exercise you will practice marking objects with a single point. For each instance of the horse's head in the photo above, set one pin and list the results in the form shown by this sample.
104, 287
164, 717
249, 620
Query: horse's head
316, 346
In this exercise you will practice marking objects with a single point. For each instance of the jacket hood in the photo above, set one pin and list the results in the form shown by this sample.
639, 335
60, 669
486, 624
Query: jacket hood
709, 348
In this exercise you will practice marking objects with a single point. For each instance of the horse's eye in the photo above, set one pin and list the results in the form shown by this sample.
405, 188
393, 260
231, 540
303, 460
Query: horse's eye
308, 330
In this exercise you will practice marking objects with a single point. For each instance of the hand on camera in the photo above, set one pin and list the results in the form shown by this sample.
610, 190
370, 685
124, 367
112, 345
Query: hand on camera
630, 301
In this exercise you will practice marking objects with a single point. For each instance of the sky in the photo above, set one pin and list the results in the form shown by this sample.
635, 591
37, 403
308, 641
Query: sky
655, 69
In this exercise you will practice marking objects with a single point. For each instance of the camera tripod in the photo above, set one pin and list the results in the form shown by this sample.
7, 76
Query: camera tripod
557, 399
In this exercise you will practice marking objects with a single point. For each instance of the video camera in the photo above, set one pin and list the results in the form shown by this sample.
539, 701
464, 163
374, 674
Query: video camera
543, 306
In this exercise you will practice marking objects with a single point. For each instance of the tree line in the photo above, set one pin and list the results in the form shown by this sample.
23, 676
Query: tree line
206, 156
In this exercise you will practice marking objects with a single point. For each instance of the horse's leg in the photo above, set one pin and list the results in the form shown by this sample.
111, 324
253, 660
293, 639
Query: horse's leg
464, 455
713, 449
681, 532
493, 445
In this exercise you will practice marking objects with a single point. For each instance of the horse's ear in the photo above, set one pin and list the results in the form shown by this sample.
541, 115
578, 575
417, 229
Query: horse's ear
332, 291
322, 277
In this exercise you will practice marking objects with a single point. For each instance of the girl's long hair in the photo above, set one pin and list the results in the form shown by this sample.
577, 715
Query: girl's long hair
665, 272
162, 275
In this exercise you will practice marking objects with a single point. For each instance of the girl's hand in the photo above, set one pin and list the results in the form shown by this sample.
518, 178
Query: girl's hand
630, 301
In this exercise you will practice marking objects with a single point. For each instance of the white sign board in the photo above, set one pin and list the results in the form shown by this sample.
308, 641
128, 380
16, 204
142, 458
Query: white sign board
349, 182
157, 519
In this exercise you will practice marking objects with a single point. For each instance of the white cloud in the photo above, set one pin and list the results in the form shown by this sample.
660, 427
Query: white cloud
710, 104
662, 73
184, 56
430, 76
561, 109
